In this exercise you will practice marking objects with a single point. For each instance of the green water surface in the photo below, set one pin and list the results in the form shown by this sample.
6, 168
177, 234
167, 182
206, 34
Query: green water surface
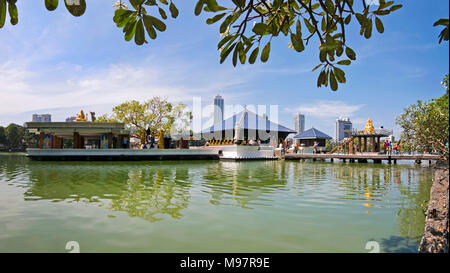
210, 206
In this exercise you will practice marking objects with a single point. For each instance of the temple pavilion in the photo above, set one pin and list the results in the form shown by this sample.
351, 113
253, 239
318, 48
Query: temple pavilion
369, 134
311, 136
105, 135
245, 126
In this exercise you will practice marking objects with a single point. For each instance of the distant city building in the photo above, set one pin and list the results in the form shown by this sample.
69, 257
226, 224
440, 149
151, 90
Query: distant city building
71, 119
42, 118
299, 123
218, 109
343, 128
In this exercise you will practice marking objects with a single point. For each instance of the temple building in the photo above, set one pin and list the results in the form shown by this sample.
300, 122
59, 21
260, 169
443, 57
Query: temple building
374, 136
102, 135
311, 136
245, 126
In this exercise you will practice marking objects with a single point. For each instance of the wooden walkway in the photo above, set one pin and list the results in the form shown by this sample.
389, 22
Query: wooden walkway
362, 157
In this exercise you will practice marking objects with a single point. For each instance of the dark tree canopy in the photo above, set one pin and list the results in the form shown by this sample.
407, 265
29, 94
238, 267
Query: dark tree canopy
247, 27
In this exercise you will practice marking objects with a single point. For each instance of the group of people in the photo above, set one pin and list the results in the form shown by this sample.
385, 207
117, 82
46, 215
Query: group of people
390, 148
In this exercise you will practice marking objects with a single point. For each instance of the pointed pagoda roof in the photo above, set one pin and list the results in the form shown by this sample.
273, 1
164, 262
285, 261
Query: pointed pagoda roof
312, 133
251, 121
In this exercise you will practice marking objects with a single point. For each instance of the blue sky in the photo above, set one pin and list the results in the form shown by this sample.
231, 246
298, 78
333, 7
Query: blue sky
52, 62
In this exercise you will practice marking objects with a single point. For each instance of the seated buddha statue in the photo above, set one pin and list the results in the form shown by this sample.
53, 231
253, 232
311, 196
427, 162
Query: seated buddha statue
81, 116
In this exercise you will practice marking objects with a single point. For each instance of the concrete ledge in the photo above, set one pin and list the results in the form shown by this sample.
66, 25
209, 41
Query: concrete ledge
121, 154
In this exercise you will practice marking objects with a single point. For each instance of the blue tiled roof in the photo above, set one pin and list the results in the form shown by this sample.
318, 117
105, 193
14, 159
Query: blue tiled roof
312, 133
251, 121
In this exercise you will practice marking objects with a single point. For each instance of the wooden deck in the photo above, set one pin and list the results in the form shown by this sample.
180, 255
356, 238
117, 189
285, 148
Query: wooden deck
363, 157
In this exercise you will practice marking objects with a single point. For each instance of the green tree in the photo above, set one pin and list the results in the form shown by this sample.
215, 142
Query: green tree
247, 27
156, 114
445, 83
444, 33
14, 135
2, 135
425, 126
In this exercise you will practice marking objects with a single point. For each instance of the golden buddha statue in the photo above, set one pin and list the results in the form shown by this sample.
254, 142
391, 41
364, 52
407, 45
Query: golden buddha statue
369, 129
81, 116
161, 139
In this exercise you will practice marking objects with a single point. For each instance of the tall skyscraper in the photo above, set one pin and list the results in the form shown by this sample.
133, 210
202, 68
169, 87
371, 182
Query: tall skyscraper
299, 123
42, 118
218, 109
343, 128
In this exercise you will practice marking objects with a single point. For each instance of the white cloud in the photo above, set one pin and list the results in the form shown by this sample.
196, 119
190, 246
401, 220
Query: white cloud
329, 109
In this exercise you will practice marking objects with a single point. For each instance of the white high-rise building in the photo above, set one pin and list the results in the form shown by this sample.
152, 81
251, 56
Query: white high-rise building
299, 123
218, 104
343, 128
42, 118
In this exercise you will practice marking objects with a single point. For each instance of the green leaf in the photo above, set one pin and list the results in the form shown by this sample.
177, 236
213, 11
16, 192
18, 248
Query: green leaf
253, 56
321, 78
340, 75
368, 31
395, 7
13, 14
381, 12
317, 66
224, 40
333, 82
350, 53
323, 54
120, 15
242, 54
344, 62
76, 8
164, 2
199, 7
235, 54
260, 28
149, 27
265, 53
158, 24
51, 4
442, 22
226, 52
139, 37
297, 43
310, 27
3, 9
226, 23
339, 51
214, 19
162, 13
348, 19
131, 29
173, 10
379, 25
298, 29
361, 19
213, 6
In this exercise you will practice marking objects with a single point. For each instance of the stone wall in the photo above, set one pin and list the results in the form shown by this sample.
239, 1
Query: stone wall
435, 237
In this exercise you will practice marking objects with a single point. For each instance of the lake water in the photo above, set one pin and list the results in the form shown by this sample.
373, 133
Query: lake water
211, 206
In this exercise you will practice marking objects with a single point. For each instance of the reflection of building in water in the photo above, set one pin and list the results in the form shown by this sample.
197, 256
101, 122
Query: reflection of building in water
151, 194
243, 182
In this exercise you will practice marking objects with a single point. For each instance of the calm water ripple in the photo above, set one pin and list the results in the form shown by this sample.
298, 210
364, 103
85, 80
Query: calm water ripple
203, 206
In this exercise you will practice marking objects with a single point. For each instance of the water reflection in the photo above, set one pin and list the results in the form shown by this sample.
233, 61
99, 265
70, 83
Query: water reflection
245, 183
297, 194
141, 190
